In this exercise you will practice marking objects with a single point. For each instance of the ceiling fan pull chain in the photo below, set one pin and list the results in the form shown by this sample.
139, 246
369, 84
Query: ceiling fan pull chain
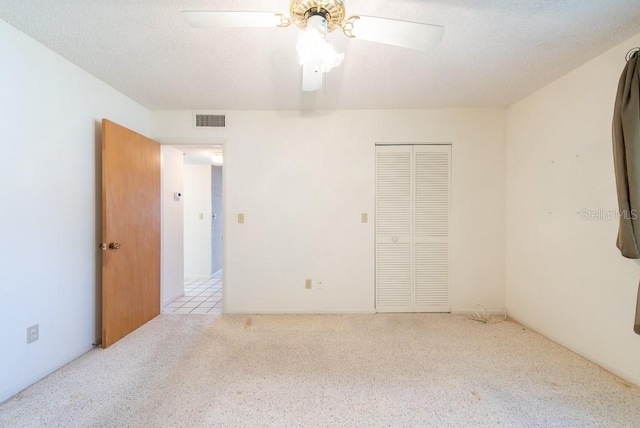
285, 21
347, 27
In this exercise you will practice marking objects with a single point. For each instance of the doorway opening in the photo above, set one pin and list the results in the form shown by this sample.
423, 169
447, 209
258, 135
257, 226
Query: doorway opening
202, 231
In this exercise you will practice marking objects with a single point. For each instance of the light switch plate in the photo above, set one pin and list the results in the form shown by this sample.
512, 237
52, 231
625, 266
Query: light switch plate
240, 218
364, 218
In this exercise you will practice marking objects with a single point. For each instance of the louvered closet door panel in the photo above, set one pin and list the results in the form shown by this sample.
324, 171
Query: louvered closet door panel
432, 277
394, 260
393, 278
432, 166
393, 191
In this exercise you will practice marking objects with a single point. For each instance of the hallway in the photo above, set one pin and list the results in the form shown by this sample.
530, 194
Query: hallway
201, 296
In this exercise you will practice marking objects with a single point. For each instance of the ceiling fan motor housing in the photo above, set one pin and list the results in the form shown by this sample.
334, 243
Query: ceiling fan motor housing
331, 10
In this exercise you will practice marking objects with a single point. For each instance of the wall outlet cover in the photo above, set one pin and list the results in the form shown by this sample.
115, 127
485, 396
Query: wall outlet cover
33, 333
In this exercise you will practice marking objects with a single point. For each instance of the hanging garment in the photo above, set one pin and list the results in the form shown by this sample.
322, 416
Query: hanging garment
626, 154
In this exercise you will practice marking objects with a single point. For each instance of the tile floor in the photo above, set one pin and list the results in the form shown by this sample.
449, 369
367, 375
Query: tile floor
201, 296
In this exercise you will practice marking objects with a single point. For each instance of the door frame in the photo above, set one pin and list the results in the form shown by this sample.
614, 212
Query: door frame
176, 143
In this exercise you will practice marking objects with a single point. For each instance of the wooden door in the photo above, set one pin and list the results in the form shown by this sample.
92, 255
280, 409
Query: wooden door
130, 231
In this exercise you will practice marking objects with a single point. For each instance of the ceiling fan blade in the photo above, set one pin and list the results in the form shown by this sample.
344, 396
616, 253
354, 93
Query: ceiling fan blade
312, 77
412, 35
227, 19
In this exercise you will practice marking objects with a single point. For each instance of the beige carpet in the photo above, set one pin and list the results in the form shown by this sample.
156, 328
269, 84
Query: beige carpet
327, 370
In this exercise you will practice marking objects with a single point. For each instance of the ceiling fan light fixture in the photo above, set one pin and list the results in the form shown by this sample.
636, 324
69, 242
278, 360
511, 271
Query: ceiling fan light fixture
317, 18
313, 49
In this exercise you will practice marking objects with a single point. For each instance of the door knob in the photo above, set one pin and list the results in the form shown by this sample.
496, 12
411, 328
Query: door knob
114, 246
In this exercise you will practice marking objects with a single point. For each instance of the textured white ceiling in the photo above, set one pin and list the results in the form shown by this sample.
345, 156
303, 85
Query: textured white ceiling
494, 52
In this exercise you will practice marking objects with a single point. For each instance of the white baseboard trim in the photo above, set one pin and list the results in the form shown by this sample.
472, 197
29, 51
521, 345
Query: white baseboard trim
301, 312
192, 277
491, 312
172, 298
585, 354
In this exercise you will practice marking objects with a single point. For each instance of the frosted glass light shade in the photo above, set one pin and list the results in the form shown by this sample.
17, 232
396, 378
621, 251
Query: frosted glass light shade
317, 56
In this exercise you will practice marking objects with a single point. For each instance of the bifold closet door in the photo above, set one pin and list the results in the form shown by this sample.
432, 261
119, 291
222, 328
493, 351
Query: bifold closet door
412, 228
394, 261
431, 219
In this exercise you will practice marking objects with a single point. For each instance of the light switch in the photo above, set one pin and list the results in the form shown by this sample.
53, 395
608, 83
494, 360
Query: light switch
240, 218
201, 216
364, 218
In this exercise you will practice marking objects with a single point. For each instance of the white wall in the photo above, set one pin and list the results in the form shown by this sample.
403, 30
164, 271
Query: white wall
172, 227
302, 180
565, 277
197, 221
49, 221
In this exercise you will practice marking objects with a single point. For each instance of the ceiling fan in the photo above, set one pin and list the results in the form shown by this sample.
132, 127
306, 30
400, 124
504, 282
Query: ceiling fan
317, 18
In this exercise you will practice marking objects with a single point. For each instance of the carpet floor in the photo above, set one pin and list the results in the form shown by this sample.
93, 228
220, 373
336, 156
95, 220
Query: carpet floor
327, 370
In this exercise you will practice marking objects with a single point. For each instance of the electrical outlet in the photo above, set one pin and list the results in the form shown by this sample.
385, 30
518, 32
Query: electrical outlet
33, 333
307, 284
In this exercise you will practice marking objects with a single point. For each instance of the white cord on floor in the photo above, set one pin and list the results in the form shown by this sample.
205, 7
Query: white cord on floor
481, 315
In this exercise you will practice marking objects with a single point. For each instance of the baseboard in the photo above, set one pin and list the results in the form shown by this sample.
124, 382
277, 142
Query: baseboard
302, 312
172, 298
620, 373
491, 312
194, 277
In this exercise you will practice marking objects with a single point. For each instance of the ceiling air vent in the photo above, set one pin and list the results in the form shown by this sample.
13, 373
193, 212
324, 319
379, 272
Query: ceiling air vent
209, 120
